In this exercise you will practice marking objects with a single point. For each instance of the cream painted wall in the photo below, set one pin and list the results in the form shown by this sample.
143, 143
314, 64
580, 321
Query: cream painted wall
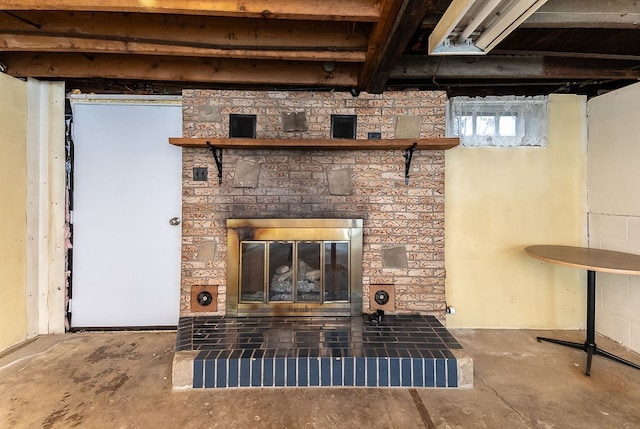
613, 177
499, 200
13, 211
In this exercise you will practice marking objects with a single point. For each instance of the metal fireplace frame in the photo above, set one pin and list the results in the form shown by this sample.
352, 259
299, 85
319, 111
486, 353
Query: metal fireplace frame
239, 230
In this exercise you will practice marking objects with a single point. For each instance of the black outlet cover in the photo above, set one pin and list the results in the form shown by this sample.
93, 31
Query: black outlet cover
200, 174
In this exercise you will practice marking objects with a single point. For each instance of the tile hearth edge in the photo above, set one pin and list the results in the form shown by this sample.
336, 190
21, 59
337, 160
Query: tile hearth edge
403, 351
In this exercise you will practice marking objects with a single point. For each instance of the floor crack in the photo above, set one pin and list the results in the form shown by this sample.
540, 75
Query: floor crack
524, 418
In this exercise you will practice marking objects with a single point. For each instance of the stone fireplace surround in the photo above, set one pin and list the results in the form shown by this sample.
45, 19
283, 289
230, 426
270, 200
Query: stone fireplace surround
403, 230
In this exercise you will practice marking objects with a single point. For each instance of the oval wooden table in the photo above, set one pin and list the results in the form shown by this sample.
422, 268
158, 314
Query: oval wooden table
592, 260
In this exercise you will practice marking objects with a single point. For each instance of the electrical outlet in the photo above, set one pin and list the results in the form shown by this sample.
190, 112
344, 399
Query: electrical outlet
199, 174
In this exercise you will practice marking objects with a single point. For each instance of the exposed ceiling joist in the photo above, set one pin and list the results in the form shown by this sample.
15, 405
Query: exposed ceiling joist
186, 69
621, 14
578, 55
326, 10
188, 36
60, 43
369, 45
187, 30
389, 38
378, 39
529, 68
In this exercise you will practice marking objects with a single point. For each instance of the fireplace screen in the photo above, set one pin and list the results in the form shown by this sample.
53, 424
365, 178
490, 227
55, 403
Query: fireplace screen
293, 268
294, 271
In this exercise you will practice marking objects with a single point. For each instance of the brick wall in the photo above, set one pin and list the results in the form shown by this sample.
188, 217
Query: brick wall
293, 184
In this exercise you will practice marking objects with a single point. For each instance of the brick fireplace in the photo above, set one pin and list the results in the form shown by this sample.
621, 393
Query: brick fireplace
352, 225
403, 223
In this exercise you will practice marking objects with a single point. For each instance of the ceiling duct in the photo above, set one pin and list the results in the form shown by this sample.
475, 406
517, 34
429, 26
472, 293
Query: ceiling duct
474, 27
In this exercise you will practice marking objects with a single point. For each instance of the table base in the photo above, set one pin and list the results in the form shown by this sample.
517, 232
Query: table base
590, 349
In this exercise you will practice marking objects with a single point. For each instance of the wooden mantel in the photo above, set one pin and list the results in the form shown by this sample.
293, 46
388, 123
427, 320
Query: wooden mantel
328, 144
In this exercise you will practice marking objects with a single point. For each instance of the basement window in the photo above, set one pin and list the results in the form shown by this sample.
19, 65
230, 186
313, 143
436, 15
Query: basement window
498, 121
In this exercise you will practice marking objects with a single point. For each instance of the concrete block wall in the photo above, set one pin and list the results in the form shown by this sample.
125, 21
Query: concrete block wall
294, 184
618, 296
614, 206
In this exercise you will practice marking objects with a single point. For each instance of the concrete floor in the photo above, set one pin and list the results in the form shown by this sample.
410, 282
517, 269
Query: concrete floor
122, 380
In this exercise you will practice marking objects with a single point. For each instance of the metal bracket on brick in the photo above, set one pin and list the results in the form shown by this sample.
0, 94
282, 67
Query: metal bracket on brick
408, 154
217, 156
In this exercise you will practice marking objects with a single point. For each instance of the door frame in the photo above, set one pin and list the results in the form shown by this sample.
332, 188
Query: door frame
115, 99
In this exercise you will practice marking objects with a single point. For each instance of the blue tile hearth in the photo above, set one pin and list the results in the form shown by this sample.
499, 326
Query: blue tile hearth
401, 351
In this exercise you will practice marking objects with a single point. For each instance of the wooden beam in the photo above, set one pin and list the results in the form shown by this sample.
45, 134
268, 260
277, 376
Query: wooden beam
49, 43
620, 14
525, 68
388, 41
326, 10
197, 31
317, 144
169, 69
378, 39
581, 55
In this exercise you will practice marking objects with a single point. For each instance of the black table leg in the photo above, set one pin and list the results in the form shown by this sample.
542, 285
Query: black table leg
589, 346
617, 358
590, 343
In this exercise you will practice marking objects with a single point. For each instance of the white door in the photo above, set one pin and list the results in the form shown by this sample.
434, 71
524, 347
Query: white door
127, 188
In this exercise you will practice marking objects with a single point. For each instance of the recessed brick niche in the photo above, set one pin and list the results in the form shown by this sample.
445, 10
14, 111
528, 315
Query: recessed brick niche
398, 219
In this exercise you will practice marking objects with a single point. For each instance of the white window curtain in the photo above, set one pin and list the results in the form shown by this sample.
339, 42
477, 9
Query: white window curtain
498, 121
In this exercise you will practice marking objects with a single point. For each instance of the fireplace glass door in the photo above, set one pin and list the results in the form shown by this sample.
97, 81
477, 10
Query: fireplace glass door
294, 271
294, 267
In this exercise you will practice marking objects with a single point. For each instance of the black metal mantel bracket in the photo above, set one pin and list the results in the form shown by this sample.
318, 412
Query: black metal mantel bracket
408, 154
217, 156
